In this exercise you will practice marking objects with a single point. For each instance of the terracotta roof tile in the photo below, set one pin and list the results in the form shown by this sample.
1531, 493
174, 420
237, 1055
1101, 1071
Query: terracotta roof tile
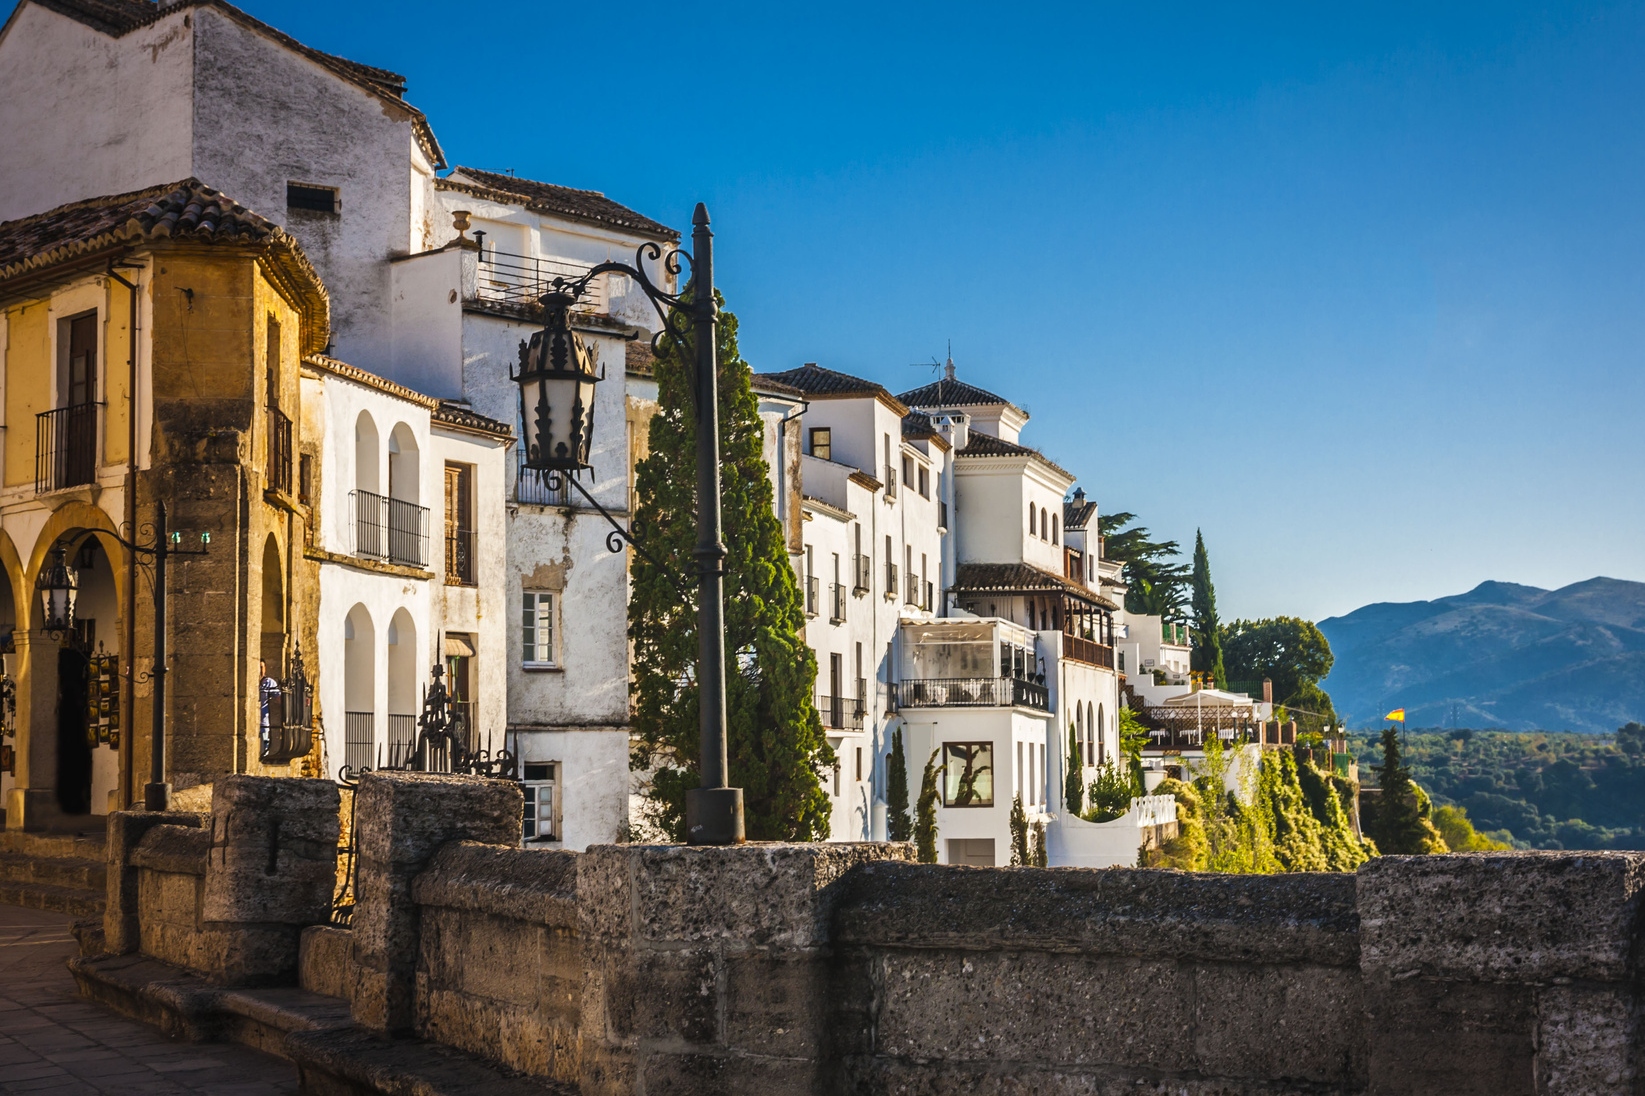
582, 205
454, 414
979, 444
1021, 578
949, 392
814, 380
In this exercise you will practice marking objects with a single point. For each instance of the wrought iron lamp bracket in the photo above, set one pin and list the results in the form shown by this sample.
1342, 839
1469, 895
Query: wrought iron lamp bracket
618, 537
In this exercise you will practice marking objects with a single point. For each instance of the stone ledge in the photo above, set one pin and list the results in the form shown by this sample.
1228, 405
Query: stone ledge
170, 848
533, 885
352, 1060
1146, 914
1516, 918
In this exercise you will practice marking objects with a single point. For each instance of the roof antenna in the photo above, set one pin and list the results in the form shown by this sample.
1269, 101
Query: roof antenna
948, 370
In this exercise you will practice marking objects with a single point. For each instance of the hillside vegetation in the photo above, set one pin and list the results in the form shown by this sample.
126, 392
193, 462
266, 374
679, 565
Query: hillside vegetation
1537, 789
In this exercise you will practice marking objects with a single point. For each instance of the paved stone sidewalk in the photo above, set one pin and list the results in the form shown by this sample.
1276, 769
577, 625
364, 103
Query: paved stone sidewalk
52, 1041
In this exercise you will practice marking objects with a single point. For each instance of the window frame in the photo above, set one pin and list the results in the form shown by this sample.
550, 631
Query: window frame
532, 815
983, 749
553, 660
824, 434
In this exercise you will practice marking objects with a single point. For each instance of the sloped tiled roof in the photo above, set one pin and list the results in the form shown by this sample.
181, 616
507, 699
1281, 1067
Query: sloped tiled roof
813, 380
979, 444
454, 414
917, 424
1078, 513
581, 205
118, 18
1021, 578
949, 392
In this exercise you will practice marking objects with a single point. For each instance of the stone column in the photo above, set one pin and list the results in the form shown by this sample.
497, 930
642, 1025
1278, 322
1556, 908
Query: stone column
32, 802
404, 818
1502, 975
707, 970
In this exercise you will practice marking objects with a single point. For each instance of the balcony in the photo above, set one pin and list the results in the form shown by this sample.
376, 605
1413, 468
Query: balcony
359, 736
279, 451
890, 582
531, 486
890, 484
840, 713
1087, 651
459, 556
65, 447
389, 529
911, 595
520, 280
972, 692
863, 567
812, 595
836, 603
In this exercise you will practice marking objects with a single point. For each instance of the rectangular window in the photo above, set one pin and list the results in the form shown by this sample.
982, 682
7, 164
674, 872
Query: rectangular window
968, 774
77, 361
1020, 781
316, 199
925, 482
908, 469
822, 443
859, 764
305, 479
541, 788
971, 852
459, 525
537, 628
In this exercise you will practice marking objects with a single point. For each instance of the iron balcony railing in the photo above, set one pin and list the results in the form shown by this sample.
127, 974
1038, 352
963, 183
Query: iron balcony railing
523, 279
1088, 651
279, 451
972, 692
531, 486
359, 740
836, 602
890, 581
840, 713
811, 596
402, 739
459, 556
391, 529
890, 483
65, 447
864, 569
911, 596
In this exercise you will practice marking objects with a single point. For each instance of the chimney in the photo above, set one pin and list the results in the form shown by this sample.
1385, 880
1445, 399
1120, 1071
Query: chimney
1079, 495
955, 427
1267, 691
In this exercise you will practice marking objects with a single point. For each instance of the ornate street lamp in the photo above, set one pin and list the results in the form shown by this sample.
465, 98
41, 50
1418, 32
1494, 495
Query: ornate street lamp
556, 379
58, 591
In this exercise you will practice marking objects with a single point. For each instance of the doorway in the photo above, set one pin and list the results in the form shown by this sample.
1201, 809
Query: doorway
73, 745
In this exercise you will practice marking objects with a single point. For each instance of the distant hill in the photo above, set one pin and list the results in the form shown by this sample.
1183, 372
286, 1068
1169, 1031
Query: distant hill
1499, 656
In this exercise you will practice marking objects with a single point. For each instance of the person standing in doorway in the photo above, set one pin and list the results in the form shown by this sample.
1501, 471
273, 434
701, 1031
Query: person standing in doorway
269, 690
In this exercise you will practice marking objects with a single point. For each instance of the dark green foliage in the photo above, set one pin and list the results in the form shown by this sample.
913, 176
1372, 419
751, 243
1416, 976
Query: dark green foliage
1398, 817
1154, 585
925, 819
1459, 833
1188, 850
1206, 656
777, 749
1330, 800
1290, 652
1111, 793
1073, 786
1535, 789
899, 827
1019, 833
1038, 857
1296, 833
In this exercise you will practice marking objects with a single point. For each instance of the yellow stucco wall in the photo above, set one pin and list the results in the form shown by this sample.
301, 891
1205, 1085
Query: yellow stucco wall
29, 377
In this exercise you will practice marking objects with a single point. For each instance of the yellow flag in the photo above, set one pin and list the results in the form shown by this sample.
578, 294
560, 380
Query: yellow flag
1397, 715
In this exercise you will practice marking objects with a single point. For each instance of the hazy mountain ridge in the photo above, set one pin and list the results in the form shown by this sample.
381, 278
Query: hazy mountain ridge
1505, 655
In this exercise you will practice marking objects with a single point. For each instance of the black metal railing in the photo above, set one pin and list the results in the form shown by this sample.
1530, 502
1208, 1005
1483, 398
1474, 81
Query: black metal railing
531, 486
911, 596
811, 595
402, 739
391, 529
523, 279
279, 451
972, 692
864, 569
359, 740
890, 580
459, 556
890, 483
836, 602
65, 447
840, 713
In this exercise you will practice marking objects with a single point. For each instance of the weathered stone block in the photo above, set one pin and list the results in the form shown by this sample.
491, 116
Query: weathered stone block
1427, 1037
686, 1074
324, 956
1279, 1023
273, 851
672, 995
779, 1004
533, 885
1520, 917
120, 914
1588, 1041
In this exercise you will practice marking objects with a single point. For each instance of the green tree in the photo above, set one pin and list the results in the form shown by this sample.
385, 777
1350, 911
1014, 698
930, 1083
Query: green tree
1073, 785
925, 819
1292, 653
776, 745
1133, 738
1188, 850
1153, 584
1459, 833
1019, 833
1111, 794
1206, 656
1038, 858
1399, 823
899, 827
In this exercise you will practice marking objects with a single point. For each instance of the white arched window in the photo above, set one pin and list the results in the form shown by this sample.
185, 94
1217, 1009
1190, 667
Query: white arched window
1053, 528
359, 690
1033, 527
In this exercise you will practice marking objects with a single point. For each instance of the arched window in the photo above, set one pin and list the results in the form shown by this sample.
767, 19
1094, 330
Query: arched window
359, 690
1097, 732
1033, 530
1079, 728
404, 664
1045, 528
1053, 528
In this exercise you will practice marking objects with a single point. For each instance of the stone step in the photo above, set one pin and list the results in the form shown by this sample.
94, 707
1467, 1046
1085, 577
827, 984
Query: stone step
52, 870
74, 901
54, 846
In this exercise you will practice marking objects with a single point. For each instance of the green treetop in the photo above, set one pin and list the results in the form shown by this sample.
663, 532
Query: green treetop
1073, 786
775, 740
1290, 652
1153, 584
1400, 824
1206, 657
899, 827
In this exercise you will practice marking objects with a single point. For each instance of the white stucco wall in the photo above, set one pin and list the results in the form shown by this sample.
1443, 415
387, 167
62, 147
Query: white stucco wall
927, 729
83, 114
427, 324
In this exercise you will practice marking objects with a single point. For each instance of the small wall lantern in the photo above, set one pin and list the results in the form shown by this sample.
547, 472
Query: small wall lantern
58, 590
556, 378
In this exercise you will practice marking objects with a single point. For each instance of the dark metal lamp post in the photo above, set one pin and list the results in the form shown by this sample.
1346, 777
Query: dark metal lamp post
58, 592
556, 380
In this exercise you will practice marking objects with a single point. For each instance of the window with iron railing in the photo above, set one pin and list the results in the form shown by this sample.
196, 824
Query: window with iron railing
890, 483
836, 602
812, 587
532, 486
864, 569
359, 740
65, 447
911, 596
890, 581
522, 280
389, 529
459, 499
840, 713
279, 451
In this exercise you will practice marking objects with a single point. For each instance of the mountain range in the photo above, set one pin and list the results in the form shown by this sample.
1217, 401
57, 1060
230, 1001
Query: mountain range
1499, 656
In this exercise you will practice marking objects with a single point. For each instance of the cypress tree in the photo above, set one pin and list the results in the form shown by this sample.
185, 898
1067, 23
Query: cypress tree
899, 827
925, 823
1019, 833
1039, 856
777, 750
1073, 786
1206, 656
1400, 826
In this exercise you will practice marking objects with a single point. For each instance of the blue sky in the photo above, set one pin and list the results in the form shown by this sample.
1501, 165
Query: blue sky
1354, 288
